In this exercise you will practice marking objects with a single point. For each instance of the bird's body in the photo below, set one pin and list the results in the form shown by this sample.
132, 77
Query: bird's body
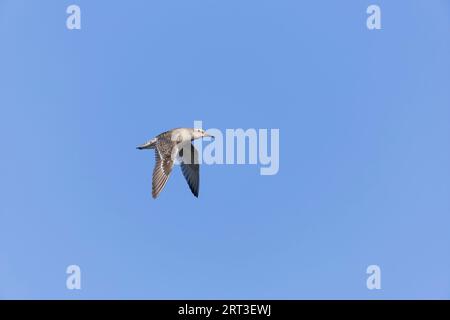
170, 146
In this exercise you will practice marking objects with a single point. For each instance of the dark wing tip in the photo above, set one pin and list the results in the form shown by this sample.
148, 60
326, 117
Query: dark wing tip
194, 190
191, 170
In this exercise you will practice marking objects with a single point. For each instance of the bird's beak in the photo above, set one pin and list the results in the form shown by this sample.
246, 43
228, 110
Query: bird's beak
208, 135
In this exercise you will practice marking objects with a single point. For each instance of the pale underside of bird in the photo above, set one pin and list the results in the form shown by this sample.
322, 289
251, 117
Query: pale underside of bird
171, 147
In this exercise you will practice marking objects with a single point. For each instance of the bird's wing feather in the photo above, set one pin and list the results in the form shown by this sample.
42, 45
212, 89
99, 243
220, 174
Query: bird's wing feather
161, 172
191, 168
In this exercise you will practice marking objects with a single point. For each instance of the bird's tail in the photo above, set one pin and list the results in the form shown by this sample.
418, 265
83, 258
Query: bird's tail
148, 145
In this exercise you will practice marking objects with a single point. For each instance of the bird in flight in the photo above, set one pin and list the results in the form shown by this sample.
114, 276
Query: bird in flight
171, 146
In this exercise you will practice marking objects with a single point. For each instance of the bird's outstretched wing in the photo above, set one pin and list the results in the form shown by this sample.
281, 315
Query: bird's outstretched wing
161, 172
191, 168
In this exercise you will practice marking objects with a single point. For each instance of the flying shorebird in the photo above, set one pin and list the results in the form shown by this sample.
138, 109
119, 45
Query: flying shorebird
175, 145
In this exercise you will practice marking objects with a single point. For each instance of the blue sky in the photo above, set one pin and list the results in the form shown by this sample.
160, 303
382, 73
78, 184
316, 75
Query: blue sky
364, 149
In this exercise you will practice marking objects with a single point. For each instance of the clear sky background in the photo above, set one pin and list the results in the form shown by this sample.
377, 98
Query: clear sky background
364, 149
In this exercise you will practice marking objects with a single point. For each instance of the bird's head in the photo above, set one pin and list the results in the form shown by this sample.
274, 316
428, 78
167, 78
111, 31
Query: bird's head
200, 133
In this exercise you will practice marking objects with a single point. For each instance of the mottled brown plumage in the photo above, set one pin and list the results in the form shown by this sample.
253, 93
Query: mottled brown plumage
175, 145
